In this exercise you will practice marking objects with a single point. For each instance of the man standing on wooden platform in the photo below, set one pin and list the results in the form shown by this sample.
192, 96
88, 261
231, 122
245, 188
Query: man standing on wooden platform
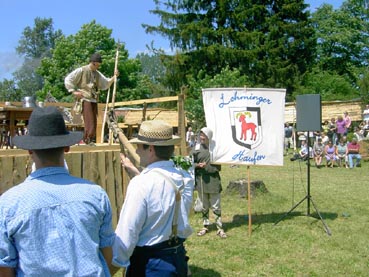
85, 83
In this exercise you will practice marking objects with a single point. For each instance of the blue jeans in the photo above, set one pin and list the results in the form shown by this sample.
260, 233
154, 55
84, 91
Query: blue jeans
351, 158
158, 261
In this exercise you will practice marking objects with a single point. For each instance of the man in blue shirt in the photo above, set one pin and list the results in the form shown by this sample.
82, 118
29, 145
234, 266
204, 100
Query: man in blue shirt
54, 224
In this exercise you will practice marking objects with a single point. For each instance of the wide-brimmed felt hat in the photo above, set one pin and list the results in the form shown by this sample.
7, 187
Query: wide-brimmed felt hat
156, 132
46, 130
96, 57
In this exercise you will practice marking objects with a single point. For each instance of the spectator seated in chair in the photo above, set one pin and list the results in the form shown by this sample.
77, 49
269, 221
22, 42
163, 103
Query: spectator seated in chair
318, 152
330, 154
303, 153
353, 149
341, 150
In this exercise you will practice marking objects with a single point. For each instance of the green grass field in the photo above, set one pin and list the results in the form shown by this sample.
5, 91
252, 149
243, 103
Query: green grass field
298, 245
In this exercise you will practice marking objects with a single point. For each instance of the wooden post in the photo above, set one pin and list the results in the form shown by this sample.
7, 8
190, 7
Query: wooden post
100, 107
249, 199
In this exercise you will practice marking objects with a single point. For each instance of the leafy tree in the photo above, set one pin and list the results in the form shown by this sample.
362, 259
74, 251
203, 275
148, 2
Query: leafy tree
343, 38
38, 41
9, 91
144, 88
330, 85
35, 44
175, 77
28, 81
364, 87
342, 52
152, 66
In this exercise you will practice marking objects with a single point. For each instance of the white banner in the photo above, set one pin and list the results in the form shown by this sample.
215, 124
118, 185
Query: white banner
247, 124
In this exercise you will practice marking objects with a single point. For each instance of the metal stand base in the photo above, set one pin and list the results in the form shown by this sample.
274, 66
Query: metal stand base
308, 198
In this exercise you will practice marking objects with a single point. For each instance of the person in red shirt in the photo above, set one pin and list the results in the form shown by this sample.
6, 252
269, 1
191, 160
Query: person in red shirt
353, 149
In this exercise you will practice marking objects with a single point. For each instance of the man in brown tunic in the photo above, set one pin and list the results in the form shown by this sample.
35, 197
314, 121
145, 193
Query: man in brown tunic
85, 83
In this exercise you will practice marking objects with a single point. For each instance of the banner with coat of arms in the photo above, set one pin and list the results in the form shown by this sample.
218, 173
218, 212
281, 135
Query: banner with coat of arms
247, 125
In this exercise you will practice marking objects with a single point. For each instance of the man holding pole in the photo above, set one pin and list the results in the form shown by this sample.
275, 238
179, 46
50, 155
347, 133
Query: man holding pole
85, 83
153, 222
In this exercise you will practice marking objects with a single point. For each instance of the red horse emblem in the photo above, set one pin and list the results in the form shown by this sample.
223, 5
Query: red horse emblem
245, 126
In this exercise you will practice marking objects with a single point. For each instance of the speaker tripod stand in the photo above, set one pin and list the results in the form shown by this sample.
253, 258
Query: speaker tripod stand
308, 197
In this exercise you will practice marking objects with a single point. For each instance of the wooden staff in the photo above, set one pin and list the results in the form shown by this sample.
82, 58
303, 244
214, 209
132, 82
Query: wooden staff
115, 80
104, 119
108, 96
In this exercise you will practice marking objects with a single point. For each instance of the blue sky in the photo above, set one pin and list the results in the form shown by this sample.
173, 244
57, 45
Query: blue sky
124, 17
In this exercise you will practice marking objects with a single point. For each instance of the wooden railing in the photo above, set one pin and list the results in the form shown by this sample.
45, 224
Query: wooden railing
99, 164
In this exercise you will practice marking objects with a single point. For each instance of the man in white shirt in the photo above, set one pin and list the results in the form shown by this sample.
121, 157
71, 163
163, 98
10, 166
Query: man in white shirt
154, 222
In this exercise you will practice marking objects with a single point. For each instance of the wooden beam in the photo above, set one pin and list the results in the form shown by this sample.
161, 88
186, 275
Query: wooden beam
140, 102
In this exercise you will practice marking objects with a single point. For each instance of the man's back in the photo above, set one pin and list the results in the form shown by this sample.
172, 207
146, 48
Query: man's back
55, 225
147, 214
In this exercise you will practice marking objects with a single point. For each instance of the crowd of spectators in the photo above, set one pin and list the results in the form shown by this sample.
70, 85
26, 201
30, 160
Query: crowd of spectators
336, 145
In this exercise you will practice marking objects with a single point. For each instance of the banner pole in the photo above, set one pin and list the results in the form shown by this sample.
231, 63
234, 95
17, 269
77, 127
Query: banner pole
249, 199
294, 129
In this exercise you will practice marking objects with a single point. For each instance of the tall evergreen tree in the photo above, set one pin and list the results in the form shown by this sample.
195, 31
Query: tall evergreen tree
270, 41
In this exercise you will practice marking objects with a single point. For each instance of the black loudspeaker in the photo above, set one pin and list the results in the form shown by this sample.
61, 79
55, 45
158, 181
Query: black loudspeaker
308, 112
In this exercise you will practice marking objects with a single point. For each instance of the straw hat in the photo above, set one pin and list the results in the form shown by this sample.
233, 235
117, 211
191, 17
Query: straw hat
156, 132
46, 130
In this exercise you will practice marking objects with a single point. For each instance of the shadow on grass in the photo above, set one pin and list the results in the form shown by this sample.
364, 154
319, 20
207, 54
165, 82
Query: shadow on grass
198, 271
241, 220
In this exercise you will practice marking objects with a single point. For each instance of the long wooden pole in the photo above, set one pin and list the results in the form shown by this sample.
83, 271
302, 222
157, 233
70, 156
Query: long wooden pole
114, 87
115, 80
104, 119
108, 96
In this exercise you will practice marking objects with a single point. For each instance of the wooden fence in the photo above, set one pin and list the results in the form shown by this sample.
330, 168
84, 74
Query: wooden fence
329, 109
100, 164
